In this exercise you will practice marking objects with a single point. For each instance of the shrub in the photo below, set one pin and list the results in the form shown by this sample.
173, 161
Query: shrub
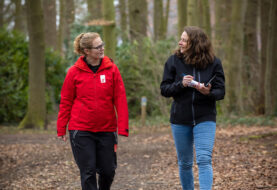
14, 76
142, 74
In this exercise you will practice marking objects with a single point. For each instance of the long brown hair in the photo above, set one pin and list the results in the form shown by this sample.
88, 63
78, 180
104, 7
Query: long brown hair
199, 52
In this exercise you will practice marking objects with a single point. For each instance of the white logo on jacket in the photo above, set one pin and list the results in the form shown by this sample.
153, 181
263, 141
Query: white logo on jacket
102, 79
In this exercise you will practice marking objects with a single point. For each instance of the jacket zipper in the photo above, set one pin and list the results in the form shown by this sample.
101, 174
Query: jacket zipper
192, 107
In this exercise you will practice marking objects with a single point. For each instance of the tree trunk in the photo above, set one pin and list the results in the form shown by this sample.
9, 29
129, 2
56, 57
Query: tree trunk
123, 20
137, 19
18, 20
274, 70
193, 17
109, 30
62, 22
182, 16
221, 17
264, 7
234, 57
158, 19
94, 9
69, 20
50, 30
206, 20
270, 56
222, 27
8, 12
199, 15
1, 13
165, 19
36, 113
250, 66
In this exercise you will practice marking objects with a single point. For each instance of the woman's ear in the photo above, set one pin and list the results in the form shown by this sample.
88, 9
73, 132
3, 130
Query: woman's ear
86, 51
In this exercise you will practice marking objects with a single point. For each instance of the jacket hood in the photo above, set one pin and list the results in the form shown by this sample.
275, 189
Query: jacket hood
81, 64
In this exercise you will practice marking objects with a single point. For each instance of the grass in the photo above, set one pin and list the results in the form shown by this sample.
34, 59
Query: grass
246, 121
157, 123
14, 129
256, 137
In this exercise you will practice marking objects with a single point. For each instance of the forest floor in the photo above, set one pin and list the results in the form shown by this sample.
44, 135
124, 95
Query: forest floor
244, 158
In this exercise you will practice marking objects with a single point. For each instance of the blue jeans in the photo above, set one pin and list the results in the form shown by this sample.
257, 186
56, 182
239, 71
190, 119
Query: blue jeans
202, 136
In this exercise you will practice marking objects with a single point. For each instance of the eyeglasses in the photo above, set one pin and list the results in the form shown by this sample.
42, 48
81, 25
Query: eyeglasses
98, 47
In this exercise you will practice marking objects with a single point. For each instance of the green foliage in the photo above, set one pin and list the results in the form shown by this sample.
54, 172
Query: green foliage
142, 75
14, 76
55, 74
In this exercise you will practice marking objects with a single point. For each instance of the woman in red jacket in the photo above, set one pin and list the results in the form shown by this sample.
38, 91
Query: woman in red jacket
92, 92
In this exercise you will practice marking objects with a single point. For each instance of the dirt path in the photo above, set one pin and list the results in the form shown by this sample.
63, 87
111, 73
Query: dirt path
243, 159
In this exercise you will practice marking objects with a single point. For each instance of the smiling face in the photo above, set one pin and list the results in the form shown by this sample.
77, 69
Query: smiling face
183, 43
97, 49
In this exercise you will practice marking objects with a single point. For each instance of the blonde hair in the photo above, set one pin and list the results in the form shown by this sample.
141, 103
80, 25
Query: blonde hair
84, 41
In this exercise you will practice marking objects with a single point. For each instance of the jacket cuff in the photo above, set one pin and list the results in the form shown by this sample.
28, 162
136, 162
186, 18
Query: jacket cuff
180, 84
124, 132
211, 95
61, 132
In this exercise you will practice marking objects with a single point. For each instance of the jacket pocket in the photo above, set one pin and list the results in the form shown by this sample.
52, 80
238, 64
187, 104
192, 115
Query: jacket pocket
173, 108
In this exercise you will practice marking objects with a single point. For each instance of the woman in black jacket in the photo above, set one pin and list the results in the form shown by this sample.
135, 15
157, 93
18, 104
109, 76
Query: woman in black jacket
194, 77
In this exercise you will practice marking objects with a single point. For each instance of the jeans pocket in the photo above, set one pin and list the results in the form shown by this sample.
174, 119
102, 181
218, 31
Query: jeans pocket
115, 138
74, 134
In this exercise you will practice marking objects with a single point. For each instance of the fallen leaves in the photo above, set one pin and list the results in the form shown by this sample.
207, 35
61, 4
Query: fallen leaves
146, 161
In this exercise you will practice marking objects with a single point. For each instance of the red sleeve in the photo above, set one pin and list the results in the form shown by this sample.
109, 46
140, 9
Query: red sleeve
121, 106
67, 98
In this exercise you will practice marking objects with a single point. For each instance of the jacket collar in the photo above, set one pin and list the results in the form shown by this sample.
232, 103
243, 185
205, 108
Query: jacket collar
81, 64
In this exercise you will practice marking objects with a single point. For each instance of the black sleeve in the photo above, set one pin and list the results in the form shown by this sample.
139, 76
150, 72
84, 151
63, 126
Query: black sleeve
169, 87
218, 84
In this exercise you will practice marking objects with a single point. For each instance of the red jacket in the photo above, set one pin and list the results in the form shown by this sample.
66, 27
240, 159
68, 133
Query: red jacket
89, 100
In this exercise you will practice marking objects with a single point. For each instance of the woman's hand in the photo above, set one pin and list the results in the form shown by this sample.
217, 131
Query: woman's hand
186, 80
202, 89
62, 138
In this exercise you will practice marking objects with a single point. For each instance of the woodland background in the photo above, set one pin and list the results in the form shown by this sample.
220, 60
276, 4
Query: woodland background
36, 50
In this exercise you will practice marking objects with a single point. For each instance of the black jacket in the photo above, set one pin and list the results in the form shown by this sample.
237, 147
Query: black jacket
190, 107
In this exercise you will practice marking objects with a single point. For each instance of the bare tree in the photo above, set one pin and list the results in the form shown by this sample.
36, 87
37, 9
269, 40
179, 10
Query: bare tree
50, 28
94, 9
269, 59
109, 29
62, 22
234, 57
1, 13
182, 15
69, 20
274, 70
250, 66
18, 16
165, 19
192, 17
36, 112
137, 19
123, 19
158, 19
264, 7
